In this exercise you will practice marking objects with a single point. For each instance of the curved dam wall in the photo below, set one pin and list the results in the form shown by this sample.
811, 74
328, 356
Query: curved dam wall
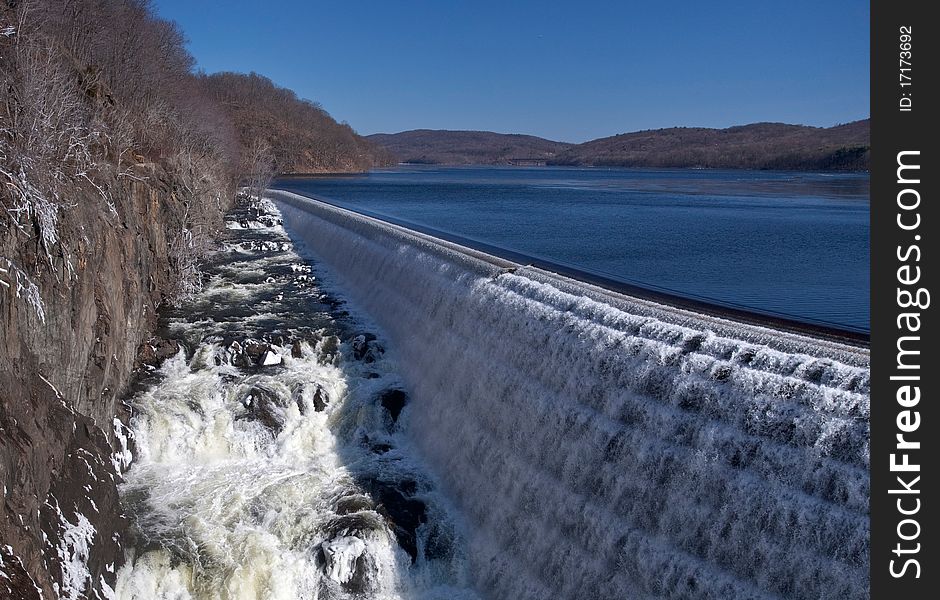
602, 446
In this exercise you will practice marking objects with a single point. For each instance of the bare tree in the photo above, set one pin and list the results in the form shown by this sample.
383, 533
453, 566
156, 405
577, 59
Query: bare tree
259, 167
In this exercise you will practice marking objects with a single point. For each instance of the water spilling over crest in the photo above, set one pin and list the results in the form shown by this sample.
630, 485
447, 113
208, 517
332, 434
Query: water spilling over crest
600, 446
270, 453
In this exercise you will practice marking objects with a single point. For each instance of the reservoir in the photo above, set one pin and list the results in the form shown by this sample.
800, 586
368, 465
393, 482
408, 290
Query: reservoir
790, 244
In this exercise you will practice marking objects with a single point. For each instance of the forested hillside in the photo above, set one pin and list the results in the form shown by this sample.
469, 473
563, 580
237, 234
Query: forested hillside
116, 163
300, 135
756, 146
442, 147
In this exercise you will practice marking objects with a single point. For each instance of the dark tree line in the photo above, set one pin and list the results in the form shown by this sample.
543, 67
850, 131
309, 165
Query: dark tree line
757, 146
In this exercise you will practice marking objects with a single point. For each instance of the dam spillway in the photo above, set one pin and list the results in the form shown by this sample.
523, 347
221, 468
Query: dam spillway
603, 446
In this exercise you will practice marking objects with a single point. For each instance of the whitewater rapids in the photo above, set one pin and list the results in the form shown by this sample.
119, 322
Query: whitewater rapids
600, 446
269, 457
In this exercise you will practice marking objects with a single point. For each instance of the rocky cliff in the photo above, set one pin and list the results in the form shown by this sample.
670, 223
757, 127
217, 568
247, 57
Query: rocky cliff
63, 366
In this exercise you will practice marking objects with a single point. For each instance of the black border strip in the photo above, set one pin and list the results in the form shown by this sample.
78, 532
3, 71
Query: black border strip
903, 104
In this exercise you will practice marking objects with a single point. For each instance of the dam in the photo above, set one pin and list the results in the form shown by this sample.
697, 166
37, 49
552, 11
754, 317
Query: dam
603, 446
357, 408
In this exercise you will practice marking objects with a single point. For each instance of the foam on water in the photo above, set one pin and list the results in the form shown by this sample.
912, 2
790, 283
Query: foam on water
254, 481
607, 447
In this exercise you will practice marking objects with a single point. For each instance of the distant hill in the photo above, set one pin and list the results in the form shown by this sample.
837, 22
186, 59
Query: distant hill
757, 146
442, 147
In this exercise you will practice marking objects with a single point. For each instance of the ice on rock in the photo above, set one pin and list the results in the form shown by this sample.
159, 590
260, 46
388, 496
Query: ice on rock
271, 357
341, 555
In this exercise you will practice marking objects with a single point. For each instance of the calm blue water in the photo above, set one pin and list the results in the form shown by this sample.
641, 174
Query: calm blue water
795, 244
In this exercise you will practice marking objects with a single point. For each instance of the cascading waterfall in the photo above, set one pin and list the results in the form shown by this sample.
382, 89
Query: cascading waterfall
270, 459
607, 447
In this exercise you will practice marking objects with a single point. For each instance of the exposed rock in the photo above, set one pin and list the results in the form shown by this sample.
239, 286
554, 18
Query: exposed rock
255, 350
63, 377
403, 512
394, 402
353, 504
329, 348
271, 358
320, 400
266, 406
238, 357
154, 351
15, 581
365, 348
341, 556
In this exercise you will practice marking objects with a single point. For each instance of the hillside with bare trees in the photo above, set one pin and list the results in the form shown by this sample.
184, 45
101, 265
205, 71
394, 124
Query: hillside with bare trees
443, 147
301, 136
116, 163
756, 146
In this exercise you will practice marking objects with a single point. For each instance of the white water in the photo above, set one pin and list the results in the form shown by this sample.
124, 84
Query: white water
226, 507
601, 447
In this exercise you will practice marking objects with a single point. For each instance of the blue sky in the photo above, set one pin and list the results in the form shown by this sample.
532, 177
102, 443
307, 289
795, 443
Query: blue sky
570, 71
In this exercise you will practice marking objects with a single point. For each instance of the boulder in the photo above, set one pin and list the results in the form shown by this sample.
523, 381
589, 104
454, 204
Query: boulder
320, 400
266, 406
365, 348
393, 401
341, 556
271, 358
402, 510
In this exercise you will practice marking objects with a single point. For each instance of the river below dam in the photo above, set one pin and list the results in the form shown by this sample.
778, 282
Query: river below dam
788, 243
269, 458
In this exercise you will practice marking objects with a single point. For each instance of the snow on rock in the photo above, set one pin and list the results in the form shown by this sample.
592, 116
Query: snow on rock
341, 555
73, 551
121, 458
107, 592
271, 357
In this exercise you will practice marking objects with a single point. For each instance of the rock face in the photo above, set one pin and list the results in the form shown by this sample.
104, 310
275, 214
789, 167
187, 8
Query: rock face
61, 380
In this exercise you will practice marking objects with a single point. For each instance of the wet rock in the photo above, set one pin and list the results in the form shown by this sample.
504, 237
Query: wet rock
271, 358
320, 400
346, 560
266, 406
297, 350
393, 401
255, 349
156, 350
238, 357
353, 504
341, 556
329, 348
403, 512
363, 523
366, 348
